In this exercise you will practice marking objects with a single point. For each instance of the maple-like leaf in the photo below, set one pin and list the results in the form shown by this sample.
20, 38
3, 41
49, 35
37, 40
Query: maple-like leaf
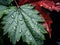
25, 22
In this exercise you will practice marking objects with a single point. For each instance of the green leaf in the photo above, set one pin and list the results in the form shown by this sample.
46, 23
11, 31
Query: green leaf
5, 2
2, 10
24, 22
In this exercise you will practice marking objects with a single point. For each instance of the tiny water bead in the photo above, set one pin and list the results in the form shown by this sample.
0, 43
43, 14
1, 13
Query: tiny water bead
30, 38
20, 19
17, 40
58, 3
12, 16
32, 27
14, 27
20, 31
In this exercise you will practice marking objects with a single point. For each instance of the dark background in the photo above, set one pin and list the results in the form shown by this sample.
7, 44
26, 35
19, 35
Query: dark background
55, 39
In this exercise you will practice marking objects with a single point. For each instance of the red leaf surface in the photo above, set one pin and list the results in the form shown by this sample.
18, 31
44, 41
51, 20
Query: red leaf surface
48, 4
51, 5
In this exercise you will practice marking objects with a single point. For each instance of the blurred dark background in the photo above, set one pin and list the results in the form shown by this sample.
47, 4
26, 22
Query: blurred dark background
55, 39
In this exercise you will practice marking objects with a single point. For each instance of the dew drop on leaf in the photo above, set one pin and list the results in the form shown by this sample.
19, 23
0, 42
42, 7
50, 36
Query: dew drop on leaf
30, 38
32, 27
20, 31
12, 17
14, 27
20, 19
17, 40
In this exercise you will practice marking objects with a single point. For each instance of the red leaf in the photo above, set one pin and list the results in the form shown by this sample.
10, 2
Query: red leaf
50, 5
21, 2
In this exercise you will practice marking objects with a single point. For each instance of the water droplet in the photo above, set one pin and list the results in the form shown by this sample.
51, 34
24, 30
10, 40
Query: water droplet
20, 31
14, 27
49, 7
20, 19
57, 3
32, 27
12, 16
17, 40
41, 5
30, 38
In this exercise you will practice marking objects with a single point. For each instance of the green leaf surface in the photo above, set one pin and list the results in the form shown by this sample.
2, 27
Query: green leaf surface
2, 10
5, 2
24, 22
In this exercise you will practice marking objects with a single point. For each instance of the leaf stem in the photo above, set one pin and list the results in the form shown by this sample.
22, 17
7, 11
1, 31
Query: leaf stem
16, 4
